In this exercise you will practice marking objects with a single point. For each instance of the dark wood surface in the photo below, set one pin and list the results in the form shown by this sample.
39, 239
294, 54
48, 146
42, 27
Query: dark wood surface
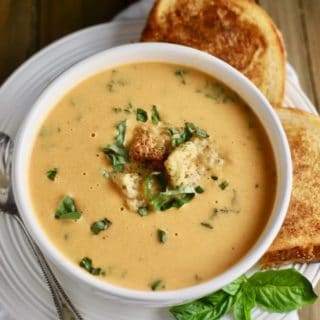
26, 26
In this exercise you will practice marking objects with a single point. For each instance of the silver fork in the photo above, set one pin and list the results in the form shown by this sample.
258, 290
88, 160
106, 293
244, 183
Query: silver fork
65, 308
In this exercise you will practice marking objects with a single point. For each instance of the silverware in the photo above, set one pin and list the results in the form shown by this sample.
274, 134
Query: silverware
64, 307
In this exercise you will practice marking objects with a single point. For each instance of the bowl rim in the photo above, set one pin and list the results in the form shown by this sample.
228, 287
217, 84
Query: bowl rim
131, 53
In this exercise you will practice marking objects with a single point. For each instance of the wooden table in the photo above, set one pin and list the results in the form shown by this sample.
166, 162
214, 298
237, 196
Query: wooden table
28, 25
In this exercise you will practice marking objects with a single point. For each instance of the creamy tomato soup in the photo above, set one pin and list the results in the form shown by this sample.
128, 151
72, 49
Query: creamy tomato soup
85, 214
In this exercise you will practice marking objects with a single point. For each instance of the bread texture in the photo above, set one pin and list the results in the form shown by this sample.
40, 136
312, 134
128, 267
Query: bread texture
299, 237
131, 186
236, 31
149, 144
190, 161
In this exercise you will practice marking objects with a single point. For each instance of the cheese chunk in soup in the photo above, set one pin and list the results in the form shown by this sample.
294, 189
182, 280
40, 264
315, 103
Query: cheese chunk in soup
152, 176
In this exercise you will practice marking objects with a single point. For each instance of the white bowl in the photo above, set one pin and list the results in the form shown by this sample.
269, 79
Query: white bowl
172, 54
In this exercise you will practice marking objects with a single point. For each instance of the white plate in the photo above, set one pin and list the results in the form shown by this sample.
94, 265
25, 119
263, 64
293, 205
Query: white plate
22, 288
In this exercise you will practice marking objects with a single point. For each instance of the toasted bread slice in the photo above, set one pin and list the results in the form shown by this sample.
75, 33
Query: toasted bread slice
299, 237
236, 31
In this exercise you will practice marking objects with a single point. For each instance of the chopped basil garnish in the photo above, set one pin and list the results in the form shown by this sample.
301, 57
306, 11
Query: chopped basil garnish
67, 210
214, 178
224, 210
117, 153
100, 225
121, 127
189, 130
181, 74
179, 137
157, 285
196, 130
166, 199
278, 291
206, 225
143, 211
86, 263
142, 115
118, 156
51, 174
223, 184
162, 235
155, 117
199, 189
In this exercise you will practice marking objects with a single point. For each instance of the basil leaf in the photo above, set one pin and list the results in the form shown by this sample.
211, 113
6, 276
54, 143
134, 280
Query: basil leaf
196, 310
51, 174
196, 130
282, 290
223, 185
117, 153
148, 186
233, 287
162, 235
155, 117
179, 137
157, 285
184, 135
273, 290
244, 303
67, 209
120, 137
86, 263
206, 225
166, 199
100, 225
199, 189
182, 200
181, 74
212, 307
141, 115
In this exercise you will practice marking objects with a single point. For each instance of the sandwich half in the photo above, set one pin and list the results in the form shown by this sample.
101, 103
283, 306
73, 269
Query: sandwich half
237, 31
299, 237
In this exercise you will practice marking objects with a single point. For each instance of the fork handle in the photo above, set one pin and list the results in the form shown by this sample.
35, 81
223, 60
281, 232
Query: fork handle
64, 306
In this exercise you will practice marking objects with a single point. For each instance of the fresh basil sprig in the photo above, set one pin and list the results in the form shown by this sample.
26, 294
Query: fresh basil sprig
184, 135
67, 209
117, 153
273, 290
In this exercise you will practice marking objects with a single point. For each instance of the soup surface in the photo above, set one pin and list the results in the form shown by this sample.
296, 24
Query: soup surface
153, 250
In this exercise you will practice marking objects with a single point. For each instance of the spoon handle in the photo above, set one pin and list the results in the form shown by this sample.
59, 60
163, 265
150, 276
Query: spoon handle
64, 306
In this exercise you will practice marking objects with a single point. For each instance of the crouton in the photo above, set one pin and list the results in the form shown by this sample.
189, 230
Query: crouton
131, 186
181, 166
208, 158
190, 161
149, 144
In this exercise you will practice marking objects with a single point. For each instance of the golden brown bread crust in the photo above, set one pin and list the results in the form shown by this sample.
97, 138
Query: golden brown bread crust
223, 29
299, 237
